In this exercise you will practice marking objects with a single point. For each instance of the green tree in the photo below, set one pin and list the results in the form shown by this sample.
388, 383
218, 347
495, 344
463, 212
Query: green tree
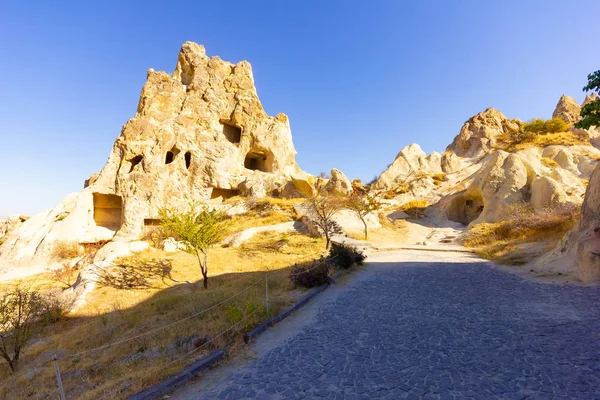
362, 206
198, 230
590, 113
21, 308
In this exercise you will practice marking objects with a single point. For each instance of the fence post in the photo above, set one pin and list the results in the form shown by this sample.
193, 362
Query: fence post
267, 291
61, 391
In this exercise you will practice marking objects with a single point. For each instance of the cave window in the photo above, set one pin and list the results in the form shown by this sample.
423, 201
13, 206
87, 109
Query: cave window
135, 161
232, 133
224, 193
469, 203
259, 161
171, 155
108, 210
188, 160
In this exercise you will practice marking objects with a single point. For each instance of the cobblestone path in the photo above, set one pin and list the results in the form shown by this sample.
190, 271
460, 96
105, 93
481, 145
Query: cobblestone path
436, 331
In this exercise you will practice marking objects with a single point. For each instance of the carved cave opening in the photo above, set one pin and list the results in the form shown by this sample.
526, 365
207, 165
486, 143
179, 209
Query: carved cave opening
259, 161
465, 209
171, 154
108, 210
188, 159
224, 193
232, 133
135, 161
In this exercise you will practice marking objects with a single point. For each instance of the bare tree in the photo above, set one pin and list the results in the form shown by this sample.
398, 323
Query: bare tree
322, 207
197, 230
20, 310
362, 206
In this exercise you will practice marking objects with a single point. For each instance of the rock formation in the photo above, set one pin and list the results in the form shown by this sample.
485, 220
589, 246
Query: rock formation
199, 135
567, 109
410, 162
479, 135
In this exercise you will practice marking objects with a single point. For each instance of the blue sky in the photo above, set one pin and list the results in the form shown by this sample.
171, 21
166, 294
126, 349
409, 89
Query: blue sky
358, 79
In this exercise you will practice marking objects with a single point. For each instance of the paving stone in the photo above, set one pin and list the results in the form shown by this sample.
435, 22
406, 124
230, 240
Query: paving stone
445, 330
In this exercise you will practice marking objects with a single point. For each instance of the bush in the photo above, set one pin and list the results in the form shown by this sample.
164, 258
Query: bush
66, 275
344, 257
539, 126
311, 274
64, 250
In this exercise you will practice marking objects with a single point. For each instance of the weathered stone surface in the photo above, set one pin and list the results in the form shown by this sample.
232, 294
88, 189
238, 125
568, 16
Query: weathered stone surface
410, 162
567, 109
200, 135
339, 184
589, 98
479, 134
546, 192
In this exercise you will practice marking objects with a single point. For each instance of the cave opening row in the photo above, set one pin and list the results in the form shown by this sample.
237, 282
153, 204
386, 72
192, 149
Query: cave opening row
255, 160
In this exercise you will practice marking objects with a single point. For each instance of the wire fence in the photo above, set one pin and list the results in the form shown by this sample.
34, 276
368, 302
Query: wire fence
64, 388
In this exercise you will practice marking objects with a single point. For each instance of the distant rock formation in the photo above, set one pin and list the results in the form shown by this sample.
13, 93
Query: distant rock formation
480, 133
567, 109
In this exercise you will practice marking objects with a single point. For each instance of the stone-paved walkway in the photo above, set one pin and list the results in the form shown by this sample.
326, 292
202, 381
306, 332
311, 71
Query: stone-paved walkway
436, 331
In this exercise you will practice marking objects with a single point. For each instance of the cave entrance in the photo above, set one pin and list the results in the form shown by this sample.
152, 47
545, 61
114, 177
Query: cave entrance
151, 224
259, 161
465, 209
232, 133
108, 210
224, 193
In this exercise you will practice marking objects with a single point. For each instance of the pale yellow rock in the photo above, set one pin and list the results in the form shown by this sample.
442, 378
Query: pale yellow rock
339, 184
567, 109
480, 133
409, 163
546, 192
200, 135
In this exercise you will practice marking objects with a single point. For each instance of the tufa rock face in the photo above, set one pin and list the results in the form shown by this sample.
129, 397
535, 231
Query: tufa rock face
199, 135
567, 109
410, 161
478, 136
589, 98
339, 184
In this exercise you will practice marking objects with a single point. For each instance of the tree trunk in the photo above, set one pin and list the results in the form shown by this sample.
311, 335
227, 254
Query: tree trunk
366, 233
327, 241
205, 272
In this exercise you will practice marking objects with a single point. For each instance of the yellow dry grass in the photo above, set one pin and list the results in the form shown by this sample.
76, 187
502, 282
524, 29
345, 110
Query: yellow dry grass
502, 241
112, 314
515, 142
414, 208
550, 163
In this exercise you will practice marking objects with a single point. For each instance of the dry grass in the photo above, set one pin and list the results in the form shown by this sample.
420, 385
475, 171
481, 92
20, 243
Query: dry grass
64, 250
111, 314
414, 208
550, 163
501, 241
515, 141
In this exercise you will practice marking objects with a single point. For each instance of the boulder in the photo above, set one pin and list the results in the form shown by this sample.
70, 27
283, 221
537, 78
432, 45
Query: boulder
339, 184
546, 192
567, 109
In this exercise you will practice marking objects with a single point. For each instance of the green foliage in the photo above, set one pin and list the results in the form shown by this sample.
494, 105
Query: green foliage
345, 257
590, 113
362, 206
198, 230
234, 313
311, 274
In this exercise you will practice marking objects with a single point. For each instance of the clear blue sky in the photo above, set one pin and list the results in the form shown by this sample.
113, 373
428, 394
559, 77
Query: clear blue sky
358, 79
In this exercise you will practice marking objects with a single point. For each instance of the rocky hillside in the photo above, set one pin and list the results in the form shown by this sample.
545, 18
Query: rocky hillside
490, 165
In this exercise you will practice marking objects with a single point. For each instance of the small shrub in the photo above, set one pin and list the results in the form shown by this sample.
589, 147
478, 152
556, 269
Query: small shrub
55, 306
233, 313
61, 216
65, 250
65, 275
344, 257
311, 274
156, 235
414, 208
